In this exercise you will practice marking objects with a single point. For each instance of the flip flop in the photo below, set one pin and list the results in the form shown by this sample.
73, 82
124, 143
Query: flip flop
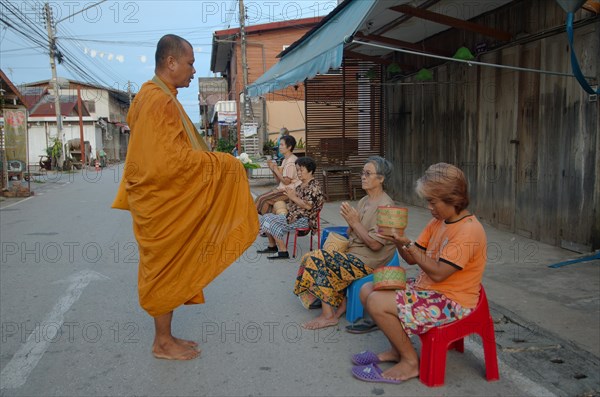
371, 373
365, 358
362, 328
315, 305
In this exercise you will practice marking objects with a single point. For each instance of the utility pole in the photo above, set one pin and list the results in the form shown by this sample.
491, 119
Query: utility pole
129, 91
52, 45
50, 27
244, 72
4, 183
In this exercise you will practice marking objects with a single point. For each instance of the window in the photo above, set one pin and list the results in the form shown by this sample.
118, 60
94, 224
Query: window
90, 105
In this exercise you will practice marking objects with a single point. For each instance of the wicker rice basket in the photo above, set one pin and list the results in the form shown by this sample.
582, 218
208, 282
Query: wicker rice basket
389, 277
391, 220
336, 242
280, 208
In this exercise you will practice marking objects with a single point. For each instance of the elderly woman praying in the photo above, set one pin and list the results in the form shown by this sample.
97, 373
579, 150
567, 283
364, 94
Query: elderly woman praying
305, 202
325, 274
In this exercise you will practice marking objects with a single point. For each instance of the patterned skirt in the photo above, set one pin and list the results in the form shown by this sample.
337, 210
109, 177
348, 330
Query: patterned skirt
326, 275
277, 226
421, 310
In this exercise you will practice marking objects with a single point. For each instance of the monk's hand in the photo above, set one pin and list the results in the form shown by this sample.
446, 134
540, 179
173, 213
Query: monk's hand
349, 213
270, 164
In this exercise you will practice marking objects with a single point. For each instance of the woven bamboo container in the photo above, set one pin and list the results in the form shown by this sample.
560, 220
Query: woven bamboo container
392, 220
389, 277
280, 208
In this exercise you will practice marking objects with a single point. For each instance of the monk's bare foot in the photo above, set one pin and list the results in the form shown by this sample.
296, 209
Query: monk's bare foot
341, 309
390, 355
403, 371
321, 322
172, 350
185, 342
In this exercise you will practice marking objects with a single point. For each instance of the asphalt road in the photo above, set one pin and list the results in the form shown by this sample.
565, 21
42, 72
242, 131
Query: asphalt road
72, 326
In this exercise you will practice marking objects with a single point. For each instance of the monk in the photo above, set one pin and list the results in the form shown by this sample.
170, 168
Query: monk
193, 214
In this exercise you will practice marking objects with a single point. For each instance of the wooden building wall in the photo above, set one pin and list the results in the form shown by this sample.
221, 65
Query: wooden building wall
529, 143
345, 120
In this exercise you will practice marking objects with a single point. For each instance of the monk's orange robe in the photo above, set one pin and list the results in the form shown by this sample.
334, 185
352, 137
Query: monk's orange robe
193, 214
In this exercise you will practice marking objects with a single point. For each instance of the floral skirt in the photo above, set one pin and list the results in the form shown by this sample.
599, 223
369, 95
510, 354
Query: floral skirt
326, 275
421, 310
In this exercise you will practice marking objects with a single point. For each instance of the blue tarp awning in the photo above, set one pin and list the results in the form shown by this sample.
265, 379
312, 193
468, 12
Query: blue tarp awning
321, 51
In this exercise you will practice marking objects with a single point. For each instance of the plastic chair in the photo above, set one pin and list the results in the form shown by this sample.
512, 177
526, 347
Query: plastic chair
354, 308
437, 341
303, 231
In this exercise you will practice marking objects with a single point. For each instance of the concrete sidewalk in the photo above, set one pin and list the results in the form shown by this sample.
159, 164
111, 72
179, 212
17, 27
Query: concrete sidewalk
547, 319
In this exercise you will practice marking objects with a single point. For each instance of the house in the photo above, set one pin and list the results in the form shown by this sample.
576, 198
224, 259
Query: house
488, 86
212, 91
277, 109
103, 117
13, 128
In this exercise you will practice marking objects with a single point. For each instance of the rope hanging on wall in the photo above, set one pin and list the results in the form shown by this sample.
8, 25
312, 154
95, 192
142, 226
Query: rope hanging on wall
574, 63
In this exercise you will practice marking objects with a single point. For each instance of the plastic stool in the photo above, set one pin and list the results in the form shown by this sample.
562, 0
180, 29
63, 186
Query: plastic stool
304, 231
354, 308
437, 341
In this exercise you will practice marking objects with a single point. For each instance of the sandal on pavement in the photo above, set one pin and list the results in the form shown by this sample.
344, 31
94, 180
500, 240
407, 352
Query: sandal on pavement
267, 250
315, 305
365, 358
371, 373
280, 255
362, 328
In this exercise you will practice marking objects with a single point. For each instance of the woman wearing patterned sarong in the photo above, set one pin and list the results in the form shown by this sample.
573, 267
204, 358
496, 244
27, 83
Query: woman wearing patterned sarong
305, 202
450, 254
325, 275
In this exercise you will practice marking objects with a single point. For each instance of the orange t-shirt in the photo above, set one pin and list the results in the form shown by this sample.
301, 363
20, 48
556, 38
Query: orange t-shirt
461, 244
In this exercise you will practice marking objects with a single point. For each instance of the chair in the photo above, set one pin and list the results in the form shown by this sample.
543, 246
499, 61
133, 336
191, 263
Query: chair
437, 341
303, 231
354, 308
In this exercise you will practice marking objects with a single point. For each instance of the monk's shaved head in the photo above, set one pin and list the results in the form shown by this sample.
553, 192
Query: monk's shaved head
170, 45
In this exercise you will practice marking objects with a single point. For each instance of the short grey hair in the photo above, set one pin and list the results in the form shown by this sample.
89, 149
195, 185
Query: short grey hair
382, 166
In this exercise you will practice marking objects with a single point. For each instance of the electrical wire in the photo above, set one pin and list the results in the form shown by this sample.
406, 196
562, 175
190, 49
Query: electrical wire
397, 49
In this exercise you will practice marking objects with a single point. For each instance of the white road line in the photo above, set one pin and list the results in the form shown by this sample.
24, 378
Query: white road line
18, 202
525, 384
15, 373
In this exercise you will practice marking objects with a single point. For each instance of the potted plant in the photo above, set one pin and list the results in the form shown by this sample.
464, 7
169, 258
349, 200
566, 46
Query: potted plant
268, 148
225, 146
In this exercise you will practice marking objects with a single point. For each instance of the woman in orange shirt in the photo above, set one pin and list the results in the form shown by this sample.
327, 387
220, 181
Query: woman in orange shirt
450, 253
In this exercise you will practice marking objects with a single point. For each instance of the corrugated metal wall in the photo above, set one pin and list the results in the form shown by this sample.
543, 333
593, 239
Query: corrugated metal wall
344, 120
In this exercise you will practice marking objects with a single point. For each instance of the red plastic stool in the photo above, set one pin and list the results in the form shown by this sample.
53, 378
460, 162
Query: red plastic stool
437, 341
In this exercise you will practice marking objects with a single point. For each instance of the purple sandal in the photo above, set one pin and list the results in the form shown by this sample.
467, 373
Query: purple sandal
365, 358
371, 373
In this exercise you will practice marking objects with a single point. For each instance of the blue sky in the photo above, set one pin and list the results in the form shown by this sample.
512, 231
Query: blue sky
113, 43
